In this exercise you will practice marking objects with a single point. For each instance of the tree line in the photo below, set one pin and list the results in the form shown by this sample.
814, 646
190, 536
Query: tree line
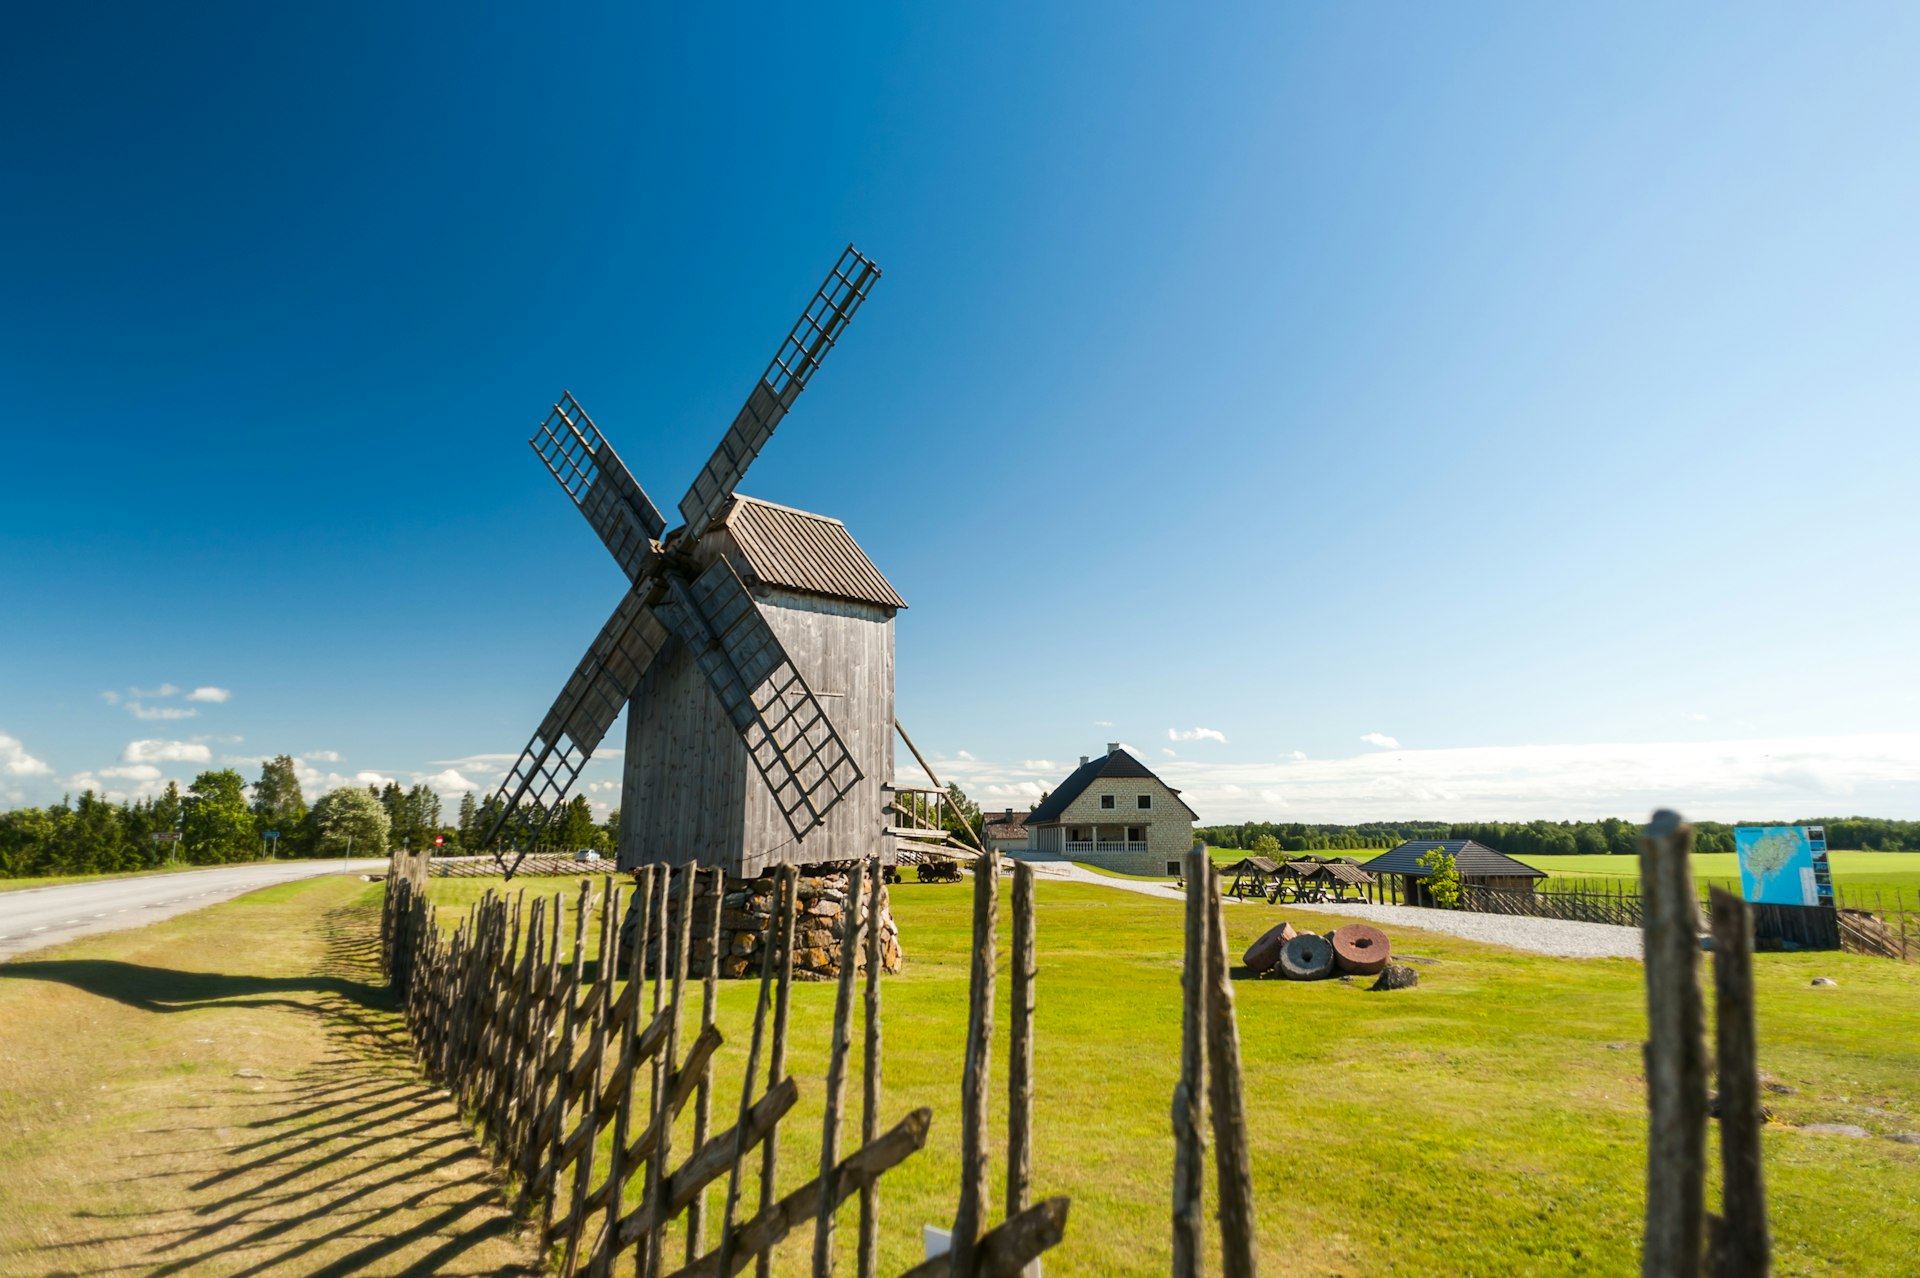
218, 820
1611, 837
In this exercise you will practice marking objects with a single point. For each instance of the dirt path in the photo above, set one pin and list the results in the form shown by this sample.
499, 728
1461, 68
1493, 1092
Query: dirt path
227, 1093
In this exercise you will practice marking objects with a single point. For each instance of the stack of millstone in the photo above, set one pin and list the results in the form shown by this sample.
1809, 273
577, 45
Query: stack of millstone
1358, 949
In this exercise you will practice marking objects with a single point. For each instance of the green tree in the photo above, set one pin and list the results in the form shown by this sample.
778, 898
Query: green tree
575, 827
1266, 845
350, 819
278, 803
219, 827
469, 817
1443, 877
962, 813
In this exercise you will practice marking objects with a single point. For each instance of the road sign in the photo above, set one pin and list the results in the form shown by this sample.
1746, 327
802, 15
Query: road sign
167, 836
272, 834
439, 839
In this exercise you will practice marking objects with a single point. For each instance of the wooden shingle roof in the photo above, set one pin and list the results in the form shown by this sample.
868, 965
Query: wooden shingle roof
805, 552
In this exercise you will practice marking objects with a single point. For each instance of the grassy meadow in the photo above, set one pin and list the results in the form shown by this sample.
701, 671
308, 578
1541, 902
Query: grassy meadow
256, 1111
1489, 1122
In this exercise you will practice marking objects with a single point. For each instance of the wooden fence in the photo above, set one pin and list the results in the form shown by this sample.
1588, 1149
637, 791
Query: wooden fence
578, 1083
1861, 921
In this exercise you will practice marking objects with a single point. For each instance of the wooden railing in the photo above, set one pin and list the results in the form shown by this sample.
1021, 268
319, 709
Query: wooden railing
578, 1082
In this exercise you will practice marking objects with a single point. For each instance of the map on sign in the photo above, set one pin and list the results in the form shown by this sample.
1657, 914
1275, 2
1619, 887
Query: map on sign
1780, 864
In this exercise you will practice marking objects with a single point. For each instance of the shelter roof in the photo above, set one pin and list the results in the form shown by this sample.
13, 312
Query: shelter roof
805, 552
1253, 865
1474, 860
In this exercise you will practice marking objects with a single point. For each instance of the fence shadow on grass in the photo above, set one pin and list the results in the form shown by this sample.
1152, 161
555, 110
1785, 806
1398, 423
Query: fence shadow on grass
351, 1163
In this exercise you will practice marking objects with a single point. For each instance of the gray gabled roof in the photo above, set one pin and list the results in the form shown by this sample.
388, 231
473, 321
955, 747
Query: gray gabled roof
1475, 860
806, 552
1115, 763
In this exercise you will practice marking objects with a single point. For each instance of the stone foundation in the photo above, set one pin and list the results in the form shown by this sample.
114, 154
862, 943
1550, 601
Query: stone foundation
746, 909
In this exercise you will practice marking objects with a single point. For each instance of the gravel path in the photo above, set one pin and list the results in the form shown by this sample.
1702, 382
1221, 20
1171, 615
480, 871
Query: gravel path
1558, 937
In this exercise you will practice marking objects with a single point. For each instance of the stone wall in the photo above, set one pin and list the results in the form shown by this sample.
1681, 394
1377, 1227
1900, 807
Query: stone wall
746, 909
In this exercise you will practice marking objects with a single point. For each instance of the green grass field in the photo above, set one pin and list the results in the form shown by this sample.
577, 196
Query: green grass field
1863, 873
1489, 1122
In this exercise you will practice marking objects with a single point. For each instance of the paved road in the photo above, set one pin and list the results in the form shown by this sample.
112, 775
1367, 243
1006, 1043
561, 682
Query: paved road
33, 917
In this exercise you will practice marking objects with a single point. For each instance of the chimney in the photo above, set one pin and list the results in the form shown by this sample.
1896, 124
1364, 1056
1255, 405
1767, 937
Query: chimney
1009, 816
1113, 747
1083, 760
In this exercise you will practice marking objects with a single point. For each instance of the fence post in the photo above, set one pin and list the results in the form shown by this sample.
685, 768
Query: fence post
1739, 1246
1676, 1066
1189, 1095
1232, 1163
969, 1213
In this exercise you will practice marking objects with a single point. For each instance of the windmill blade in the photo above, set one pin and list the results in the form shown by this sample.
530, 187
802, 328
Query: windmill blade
793, 366
791, 740
592, 474
538, 783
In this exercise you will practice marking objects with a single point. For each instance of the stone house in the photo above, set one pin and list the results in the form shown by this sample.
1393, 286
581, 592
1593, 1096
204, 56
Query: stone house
1006, 831
1112, 812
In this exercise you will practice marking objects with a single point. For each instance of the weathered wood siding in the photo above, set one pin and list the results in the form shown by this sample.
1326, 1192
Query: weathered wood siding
691, 792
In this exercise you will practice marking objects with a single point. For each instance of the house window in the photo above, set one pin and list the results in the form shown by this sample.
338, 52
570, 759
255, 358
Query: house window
1146, 801
1136, 834
1173, 869
1106, 800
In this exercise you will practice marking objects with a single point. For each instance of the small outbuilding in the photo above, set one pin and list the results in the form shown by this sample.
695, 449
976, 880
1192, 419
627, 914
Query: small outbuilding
1478, 864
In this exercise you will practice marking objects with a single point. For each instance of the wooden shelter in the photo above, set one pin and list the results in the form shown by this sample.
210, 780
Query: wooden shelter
1478, 864
1252, 876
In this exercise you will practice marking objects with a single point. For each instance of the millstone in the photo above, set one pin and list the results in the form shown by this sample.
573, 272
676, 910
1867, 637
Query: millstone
1307, 958
1265, 952
1361, 949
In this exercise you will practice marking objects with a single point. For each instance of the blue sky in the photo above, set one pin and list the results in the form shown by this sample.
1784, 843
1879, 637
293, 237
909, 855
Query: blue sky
1473, 411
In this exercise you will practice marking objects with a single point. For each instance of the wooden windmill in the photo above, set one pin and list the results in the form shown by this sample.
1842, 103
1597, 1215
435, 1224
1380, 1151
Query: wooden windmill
754, 645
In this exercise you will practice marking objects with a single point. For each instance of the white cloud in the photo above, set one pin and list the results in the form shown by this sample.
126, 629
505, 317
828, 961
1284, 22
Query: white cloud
1298, 754
164, 690
215, 695
450, 782
962, 755
1171, 754
1040, 765
133, 772
372, 778
1196, 734
322, 756
1696, 716
1103, 723
1380, 739
1132, 749
1767, 779
16, 762
140, 711
165, 752
111, 698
